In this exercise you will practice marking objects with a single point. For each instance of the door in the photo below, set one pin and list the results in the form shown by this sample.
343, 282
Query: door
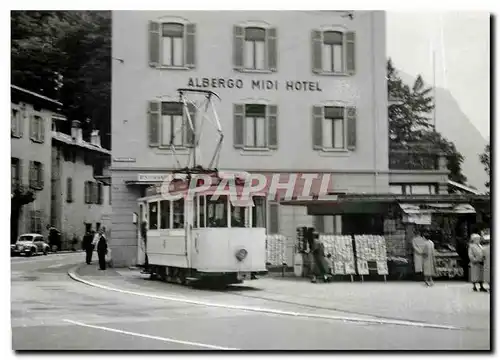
141, 255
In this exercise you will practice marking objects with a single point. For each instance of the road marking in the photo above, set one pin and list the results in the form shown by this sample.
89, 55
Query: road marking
208, 346
380, 321
56, 266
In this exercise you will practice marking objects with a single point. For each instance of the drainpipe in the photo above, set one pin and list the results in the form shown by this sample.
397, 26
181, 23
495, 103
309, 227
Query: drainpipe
374, 102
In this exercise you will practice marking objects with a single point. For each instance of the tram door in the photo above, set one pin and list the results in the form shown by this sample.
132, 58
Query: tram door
141, 255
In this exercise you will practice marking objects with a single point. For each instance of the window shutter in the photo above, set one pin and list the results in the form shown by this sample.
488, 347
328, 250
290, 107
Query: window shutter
190, 134
239, 118
317, 119
69, 190
32, 127
154, 44
99, 193
41, 127
272, 121
32, 174
20, 171
20, 123
350, 53
238, 44
272, 49
351, 128
191, 45
154, 123
317, 43
274, 226
41, 175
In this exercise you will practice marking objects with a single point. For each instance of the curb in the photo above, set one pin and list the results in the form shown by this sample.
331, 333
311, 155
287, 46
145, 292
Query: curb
73, 275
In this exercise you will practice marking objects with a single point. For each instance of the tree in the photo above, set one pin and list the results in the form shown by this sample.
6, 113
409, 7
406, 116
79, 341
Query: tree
485, 160
66, 55
410, 127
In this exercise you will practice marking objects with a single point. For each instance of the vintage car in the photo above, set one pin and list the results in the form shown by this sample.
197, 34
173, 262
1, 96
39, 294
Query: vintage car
30, 244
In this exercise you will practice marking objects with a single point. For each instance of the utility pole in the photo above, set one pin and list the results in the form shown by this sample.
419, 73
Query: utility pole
434, 87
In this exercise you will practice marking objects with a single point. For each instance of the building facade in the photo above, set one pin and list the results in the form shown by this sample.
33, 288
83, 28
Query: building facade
301, 92
69, 176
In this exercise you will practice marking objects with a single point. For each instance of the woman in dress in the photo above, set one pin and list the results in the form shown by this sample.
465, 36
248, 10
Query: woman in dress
486, 258
476, 257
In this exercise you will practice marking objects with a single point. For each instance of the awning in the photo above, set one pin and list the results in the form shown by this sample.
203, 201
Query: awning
414, 209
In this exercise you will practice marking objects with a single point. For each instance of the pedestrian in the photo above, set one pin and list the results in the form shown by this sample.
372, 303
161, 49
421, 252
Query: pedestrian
476, 257
87, 246
419, 243
54, 238
428, 265
486, 259
102, 249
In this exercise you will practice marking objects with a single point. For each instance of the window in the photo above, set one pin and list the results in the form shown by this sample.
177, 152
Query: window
153, 215
36, 221
237, 216
97, 226
169, 126
414, 189
165, 214
99, 194
69, 190
69, 155
255, 48
36, 175
274, 226
110, 192
334, 128
202, 211
333, 52
91, 192
178, 214
172, 44
217, 212
88, 227
396, 189
255, 126
37, 129
15, 172
259, 212
16, 123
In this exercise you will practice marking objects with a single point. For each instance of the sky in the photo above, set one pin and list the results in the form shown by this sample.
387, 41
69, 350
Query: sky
462, 55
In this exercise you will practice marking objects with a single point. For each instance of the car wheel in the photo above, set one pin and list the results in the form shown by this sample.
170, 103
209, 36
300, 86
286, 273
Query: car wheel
45, 251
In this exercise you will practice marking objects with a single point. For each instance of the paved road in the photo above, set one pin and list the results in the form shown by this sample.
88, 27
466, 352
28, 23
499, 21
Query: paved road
52, 312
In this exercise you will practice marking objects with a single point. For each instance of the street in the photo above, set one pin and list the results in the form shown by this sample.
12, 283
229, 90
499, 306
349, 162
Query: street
52, 311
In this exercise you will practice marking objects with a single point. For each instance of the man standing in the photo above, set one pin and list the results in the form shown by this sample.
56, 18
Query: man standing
144, 235
102, 249
88, 246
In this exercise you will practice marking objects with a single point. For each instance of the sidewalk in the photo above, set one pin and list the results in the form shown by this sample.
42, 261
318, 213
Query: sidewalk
445, 303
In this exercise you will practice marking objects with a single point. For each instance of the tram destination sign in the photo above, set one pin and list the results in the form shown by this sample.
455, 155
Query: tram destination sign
254, 84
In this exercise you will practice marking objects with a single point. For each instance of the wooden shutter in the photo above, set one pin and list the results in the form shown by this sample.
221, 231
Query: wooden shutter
20, 172
274, 226
350, 52
32, 174
69, 190
154, 112
272, 122
20, 123
238, 46
272, 49
317, 121
99, 193
32, 127
41, 175
238, 128
190, 45
41, 129
317, 44
190, 134
351, 128
154, 44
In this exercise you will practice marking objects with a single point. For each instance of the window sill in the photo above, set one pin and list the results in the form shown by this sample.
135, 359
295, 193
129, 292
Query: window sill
36, 187
161, 150
255, 71
167, 67
326, 73
37, 141
248, 151
16, 136
332, 152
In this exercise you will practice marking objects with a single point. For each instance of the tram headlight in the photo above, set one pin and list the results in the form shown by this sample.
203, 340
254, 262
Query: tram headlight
241, 254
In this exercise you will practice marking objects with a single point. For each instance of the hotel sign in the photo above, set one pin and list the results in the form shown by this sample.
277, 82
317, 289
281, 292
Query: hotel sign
151, 177
271, 85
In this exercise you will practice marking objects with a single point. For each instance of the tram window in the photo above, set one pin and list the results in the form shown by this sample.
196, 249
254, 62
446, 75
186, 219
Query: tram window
178, 210
237, 216
153, 216
202, 211
259, 212
217, 212
165, 214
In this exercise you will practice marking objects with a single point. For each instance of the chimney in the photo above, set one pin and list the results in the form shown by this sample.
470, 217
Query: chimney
95, 139
76, 131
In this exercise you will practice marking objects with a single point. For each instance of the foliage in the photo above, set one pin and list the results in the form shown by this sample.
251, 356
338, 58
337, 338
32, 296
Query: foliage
20, 196
485, 160
66, 55
410, 126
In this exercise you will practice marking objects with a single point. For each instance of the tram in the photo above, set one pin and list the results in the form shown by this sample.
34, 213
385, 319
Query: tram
211, 233
214, 233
